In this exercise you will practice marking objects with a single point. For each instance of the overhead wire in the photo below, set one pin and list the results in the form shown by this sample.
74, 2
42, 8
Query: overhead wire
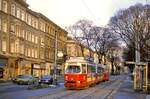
89, 10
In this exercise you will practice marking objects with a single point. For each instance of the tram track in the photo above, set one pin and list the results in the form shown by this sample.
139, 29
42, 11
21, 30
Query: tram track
64, 93
89, 93
97, 91
86, 94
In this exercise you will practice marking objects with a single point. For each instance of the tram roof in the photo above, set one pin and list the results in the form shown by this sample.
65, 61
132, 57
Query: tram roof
78, 59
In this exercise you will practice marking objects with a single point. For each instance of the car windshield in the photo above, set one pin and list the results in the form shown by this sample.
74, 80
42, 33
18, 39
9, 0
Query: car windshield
46, 77
24, 76
73, 69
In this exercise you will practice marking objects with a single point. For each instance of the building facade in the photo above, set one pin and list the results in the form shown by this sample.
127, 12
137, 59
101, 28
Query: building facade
27, 40
76, 49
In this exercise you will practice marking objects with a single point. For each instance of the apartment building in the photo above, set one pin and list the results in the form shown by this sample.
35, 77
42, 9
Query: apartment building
27, 40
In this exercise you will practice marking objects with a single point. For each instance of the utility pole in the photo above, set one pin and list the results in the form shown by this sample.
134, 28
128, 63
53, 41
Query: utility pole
55, 61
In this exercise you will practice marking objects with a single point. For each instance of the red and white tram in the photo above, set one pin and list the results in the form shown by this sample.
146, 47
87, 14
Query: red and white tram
105, 71
81, 73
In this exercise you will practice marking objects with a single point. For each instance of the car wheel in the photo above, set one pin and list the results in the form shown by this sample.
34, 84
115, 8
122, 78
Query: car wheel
29, 83
33, 83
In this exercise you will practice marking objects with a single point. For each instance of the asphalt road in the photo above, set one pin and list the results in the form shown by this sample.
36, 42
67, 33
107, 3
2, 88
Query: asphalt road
119, 87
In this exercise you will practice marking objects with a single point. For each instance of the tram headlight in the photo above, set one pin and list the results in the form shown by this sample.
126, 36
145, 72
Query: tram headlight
66, 77
84, 77
78, 82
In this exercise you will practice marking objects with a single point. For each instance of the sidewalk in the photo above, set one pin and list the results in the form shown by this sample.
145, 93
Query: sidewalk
148, 97
5, 83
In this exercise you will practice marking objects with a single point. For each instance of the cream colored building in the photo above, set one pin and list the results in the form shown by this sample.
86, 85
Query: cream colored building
27, 40
76, 49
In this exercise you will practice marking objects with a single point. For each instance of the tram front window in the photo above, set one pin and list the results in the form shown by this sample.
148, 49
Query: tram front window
73, 69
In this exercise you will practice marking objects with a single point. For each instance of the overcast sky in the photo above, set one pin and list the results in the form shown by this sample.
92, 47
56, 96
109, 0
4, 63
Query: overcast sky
67, 12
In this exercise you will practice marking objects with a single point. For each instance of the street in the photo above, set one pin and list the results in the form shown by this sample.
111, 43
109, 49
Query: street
13, 91
119, 87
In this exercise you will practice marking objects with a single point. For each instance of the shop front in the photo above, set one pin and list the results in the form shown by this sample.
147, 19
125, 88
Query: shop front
1, 71
38, 70
3, 65
48, 68
24, 67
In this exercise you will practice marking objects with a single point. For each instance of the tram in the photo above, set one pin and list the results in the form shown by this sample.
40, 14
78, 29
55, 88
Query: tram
103, 71
81, 73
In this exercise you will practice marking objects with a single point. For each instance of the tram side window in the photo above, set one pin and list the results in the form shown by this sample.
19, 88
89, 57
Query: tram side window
73, 69
99, 70
93, 69
89, 69
83, 68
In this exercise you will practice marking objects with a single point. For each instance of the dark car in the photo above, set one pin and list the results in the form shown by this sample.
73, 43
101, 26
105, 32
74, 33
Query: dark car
24, 79
46, 79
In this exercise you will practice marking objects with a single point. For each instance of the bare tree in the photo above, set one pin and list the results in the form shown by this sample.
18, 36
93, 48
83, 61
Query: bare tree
133, 26
102, 42
81, 32
97, 38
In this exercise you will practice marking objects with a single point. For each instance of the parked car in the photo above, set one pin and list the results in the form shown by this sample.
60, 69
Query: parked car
24, 79
46, 79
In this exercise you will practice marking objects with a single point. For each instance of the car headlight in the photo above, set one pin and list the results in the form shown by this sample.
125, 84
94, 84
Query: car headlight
46, 80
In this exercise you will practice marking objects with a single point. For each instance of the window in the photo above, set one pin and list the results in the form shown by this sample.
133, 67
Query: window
22, 15
0, 23
4, 45
37, 24
42, 54
42, 41
18, 13
32, 22
29, 52
36, 39
4, 26
12, 28
29, 36
36, 53
42, 26
33, 38
17, 32
0, 4
23, 34
13, 12
29, 19
26, 35
73, 69
12, 47
83, 68
22, 49
4, 6
17, 46
32, 52
26, 51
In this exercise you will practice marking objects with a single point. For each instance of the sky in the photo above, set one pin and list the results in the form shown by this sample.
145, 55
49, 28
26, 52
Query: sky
66, 12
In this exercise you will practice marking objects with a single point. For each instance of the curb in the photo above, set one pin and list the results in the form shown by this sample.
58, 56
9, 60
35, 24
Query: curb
43, 95
6, 84
148, 97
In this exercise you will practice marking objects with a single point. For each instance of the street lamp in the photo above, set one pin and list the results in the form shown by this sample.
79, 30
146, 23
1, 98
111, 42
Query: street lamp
58, 54
55, 61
